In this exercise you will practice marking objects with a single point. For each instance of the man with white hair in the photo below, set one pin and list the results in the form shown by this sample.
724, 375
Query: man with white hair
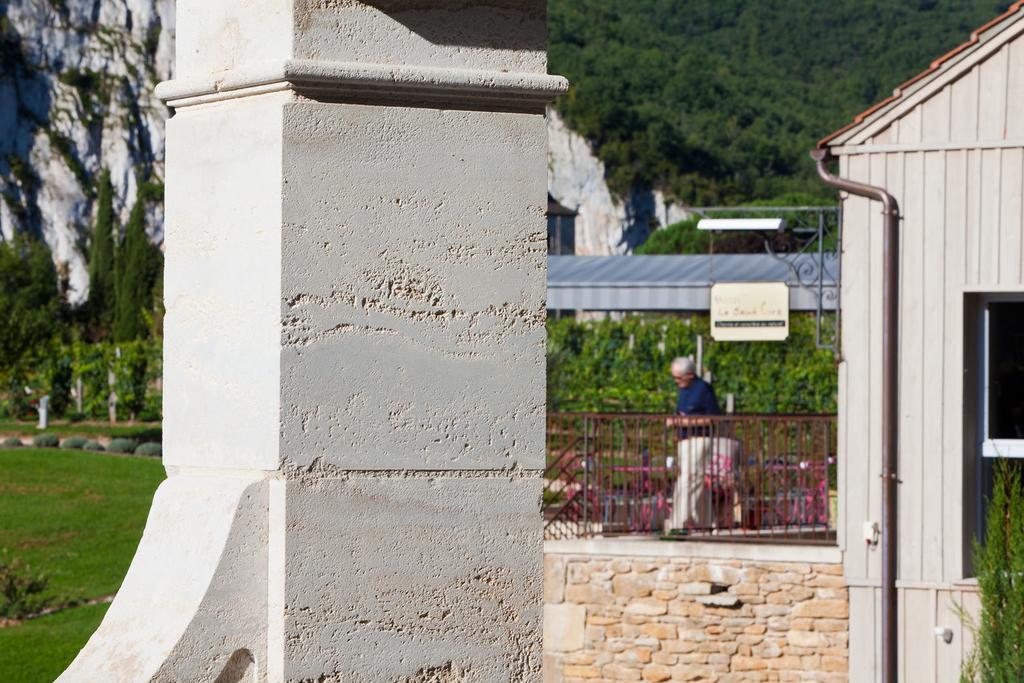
696, 397
700, 499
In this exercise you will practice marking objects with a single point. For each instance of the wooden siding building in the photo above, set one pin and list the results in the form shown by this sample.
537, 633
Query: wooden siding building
949, 145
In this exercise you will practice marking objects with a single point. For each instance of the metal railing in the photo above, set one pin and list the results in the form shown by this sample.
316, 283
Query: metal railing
734, 477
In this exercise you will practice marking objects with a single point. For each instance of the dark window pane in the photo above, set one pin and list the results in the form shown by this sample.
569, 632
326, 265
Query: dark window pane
1006, 370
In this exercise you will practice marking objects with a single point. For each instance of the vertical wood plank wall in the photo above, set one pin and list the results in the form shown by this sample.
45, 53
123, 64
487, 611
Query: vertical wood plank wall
958, 174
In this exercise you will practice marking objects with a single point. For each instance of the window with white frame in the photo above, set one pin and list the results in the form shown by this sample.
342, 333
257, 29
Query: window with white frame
1002, 391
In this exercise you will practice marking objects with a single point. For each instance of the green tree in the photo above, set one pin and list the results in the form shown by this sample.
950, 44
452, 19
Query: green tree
134, 286
101, 257
60, 385
998, 655
679, 238
718, 101
30, 311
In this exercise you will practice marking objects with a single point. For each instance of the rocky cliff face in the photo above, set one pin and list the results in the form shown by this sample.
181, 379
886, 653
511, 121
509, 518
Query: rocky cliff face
605, 225
76, 96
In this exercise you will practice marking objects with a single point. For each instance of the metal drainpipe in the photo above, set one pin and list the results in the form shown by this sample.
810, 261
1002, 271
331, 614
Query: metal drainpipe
890, 399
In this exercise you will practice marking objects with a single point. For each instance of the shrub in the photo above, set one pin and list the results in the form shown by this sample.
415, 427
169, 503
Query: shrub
74, 442
20, 590
622, 366
76, 417
122, 446
11, 442
92, 446
60, 386
150, 414
46, 441
151, 449
999, 632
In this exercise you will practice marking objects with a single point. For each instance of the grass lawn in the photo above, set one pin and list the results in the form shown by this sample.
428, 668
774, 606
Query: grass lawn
143, 431
37, 651
77, 517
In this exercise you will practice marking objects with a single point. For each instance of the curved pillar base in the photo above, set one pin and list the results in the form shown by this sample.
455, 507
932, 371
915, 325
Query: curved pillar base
193, 606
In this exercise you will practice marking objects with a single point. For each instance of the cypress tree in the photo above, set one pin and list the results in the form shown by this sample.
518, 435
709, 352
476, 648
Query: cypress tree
101, 256
998, 655
134, 285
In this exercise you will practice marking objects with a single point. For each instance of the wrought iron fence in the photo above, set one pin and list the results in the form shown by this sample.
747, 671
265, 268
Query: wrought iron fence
735, 477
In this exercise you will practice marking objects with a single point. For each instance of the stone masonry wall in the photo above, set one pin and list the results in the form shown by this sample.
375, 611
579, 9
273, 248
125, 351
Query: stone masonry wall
693, 619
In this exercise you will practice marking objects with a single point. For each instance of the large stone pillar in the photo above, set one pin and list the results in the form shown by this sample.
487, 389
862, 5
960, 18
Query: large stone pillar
354, 351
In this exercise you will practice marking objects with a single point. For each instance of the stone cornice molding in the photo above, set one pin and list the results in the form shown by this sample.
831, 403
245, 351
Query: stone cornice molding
417, 86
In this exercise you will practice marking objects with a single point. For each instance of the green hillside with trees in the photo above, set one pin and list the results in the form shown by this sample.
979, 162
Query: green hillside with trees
718, 101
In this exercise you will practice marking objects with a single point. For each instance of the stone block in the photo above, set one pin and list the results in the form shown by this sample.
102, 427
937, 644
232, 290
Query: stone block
621, 566
810, 662
631, 585
222, 287
660, 631
679, 646
475, 607
581, 671
578, 572
553, 669
719, 600
564, 627
665, 658
714, 573
767, 650
587, 594
656, 673
831, 594
741, 663
805, 639
832, 625
393, 301
647, 606
554, 579
685, 608
618, 672
789, 662
835, 664
766, 611
826, 581
634, 655
818, 609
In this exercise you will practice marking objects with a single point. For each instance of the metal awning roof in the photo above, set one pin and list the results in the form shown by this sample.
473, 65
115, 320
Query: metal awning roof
680, 283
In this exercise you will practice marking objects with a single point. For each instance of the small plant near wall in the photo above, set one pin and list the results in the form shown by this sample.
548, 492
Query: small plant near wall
21, 590
998, 655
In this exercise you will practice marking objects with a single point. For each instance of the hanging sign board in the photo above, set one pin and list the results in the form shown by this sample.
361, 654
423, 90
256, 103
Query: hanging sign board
750, 311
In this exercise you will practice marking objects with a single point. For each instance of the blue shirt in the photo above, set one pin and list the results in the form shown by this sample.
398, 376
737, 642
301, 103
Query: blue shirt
697, 399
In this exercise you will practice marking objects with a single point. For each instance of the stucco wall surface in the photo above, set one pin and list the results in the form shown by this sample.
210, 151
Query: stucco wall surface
441, 573
506, 35
412, 309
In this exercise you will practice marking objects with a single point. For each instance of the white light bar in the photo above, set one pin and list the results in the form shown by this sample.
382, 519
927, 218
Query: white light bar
741, 224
